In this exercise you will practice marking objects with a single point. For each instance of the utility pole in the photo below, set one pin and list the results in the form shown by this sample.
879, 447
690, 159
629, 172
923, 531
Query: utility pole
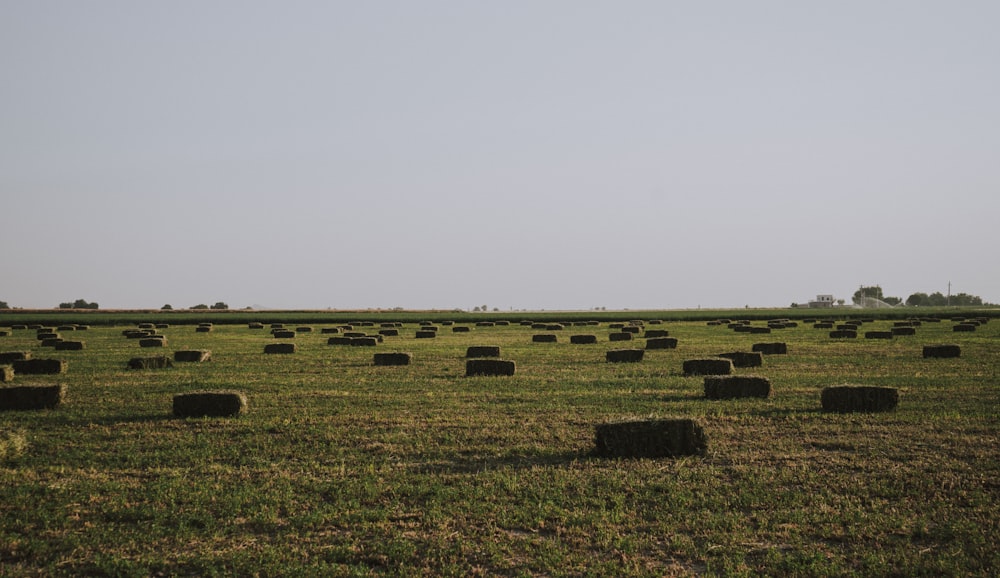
949, 294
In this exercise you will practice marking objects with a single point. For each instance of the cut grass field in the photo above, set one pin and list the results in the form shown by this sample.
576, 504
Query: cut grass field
341, 467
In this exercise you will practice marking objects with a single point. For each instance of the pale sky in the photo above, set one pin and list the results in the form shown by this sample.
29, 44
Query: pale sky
525, 155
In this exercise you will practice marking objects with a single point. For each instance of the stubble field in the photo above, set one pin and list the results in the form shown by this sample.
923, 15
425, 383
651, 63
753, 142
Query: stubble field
340, 467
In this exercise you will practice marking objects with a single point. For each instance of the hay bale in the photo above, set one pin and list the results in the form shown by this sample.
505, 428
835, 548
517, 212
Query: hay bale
279, 348
942, 351
66, 328
4, 333
483, 351
659, 438
422, 334
903, 330
138, 333
655, 333
43, 335
488, 367
303, 329
146, 325
394, 358
544, 338
777, 348
209, 404
39, 366
661, 343
255, 326
624, 355
736, 386
203, 329
192, 356
353, 334
759, 330
277, 326
158, 362
857, 398
283, 334
583, 339
19, 326
538, 325
485, 324
28, 397
843, 334
152, 342
343, 340
740, 328
158, 326
366, 341
878, 334
631, 329
11, 356
70, 346
823, 325
329, 330
460, 329
620, 336
51, 342
710, 366
616, 325
6, 373
964, 328
389, 332
744, 358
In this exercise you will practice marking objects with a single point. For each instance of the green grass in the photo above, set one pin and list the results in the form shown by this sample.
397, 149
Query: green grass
343, 468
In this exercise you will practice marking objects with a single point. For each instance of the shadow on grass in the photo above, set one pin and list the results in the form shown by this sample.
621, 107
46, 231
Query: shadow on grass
478, 464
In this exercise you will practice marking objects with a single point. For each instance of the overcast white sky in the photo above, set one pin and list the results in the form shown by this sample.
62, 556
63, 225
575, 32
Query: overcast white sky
527, 155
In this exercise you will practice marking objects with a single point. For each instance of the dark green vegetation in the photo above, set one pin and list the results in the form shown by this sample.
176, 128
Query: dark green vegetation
341, 467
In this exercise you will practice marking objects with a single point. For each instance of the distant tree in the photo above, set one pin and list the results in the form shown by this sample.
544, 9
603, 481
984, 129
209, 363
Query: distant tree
200, 306
937, 299
918, 300
3, 305
965, 300
78, 304
875, 292
167, 307
220, 305
475, 309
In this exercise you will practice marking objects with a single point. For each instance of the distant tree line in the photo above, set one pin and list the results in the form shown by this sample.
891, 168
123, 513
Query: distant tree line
936, 299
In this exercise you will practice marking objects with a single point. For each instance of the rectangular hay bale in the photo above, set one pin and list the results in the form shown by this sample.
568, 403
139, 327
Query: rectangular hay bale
279, 348
488, 367
11, 356
192, 356
393, 358
40, 366
221, 403
661, 343
710, 366
624, 355
158, 362
29, 397
736, 386
859, 398
744, 358
659, 438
